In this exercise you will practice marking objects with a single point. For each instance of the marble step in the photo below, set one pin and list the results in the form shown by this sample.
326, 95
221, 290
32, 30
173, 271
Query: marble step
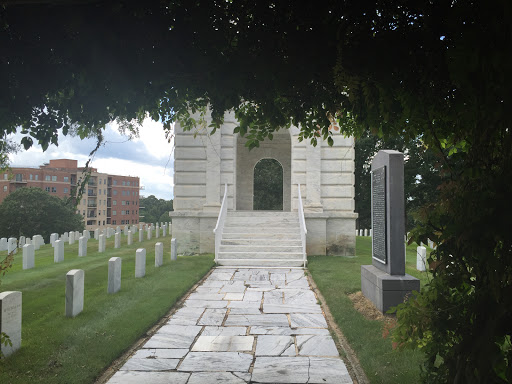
262, 236
262, 240
261, 262
247, 228
261, 214
260, 255
261, 248
270, 221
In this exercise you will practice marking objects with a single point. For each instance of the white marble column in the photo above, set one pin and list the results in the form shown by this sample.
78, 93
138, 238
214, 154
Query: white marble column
213, 150
313, 178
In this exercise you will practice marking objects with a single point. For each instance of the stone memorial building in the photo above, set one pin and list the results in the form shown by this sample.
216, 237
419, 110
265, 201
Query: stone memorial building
205, 163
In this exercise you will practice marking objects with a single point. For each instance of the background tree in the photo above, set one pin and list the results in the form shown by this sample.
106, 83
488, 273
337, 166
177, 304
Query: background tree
155, 210
268, 185
32, 211
421, 175
437, 70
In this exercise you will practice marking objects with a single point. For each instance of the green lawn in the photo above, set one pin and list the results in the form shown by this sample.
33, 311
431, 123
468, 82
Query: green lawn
56, 349
336, 277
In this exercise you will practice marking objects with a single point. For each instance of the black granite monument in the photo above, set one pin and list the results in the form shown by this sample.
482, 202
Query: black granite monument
385, 282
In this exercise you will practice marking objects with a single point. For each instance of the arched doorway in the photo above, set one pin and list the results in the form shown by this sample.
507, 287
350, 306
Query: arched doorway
277, 149
268, 185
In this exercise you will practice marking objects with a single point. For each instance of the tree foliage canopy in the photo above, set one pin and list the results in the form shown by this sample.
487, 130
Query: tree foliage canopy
438, 71
32, 211
421, 175
155, 210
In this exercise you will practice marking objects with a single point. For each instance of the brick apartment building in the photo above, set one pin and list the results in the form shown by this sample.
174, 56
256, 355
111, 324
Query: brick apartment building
108, 200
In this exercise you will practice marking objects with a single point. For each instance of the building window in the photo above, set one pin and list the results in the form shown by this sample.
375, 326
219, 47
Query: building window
31, 176
114, 213
115, 202
47, 189
104, 191
100, 181
99, 191
47, 178
37, 177
66, 190
103, 212
115, 192
115, 182
66, 178
123, 212
54, 178
128, 183
123, 202
83, 213
6, 176
5, 188
114, 222
54, 189
19, 177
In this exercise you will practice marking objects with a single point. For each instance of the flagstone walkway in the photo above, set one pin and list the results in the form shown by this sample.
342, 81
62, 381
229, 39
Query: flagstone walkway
242, 326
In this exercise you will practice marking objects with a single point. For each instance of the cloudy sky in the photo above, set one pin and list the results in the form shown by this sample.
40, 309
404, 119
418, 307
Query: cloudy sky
149, 157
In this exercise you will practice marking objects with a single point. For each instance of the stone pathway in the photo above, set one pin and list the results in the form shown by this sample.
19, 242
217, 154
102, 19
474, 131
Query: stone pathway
242, 326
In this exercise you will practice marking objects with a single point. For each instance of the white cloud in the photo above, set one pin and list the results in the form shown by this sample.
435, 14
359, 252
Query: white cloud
149, 157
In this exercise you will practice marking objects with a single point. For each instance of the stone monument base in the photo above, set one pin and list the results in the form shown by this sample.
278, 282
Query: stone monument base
385, 290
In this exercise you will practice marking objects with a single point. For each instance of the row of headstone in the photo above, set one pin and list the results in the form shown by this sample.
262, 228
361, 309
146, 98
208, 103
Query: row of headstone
364, 232
10, 301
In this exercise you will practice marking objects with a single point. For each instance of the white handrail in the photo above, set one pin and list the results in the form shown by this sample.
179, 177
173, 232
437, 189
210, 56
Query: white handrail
219, 228
303, 230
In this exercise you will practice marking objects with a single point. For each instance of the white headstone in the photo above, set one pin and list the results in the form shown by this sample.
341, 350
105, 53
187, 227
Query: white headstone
170, 229
28, 241
3, 244
371, 232
58, 251
109, 232
366, 232
117, 240
21, 242
53, 237
357, 232
164, 230
96, 234
71, 238
159, 254
125, 230
12, 245
77, 235
101, 244
421, 258
86, 234
149, 233
114, 275
65, 236
140, 262
10, 320
157, 231
82, 246
28, 256
74, 292
129, 241
360, 232
141, 236
174, 250
118, 229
